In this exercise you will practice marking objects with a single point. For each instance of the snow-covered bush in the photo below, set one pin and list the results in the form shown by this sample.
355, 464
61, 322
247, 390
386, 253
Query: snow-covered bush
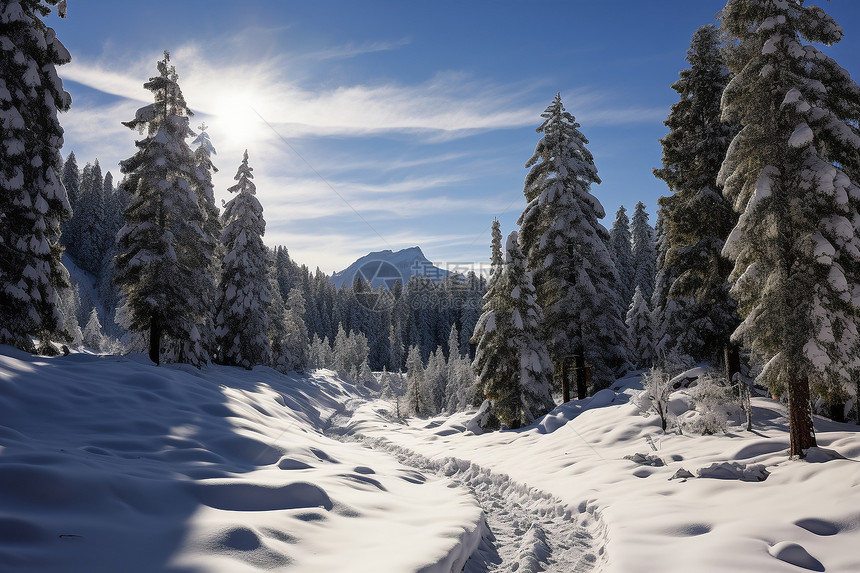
657, 389
714, 402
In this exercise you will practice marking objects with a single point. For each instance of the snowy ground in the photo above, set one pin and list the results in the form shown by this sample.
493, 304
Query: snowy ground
611, 467
110, 464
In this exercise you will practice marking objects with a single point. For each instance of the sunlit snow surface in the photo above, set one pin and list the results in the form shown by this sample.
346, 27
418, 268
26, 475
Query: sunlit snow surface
804, 516
111, 464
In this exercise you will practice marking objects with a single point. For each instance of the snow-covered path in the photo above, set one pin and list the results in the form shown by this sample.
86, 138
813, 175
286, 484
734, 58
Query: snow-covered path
528, 530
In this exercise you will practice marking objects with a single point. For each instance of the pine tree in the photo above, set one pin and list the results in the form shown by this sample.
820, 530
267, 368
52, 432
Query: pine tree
414, 381
670, 334
644, 251
621, 245
639, 331
475, 287
566, 248
453, 348
89, 221
92, 333
158, 257
70, 303
280, 354
535, 367
697, 217
241, 323
511, 360
33, 202
296, 330
486, 321
71, 179
433, 384
115, 204
206, 279
796, 245
395, 345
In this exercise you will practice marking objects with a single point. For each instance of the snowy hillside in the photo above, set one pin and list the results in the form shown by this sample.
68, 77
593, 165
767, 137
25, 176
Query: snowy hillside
109, 463
384, 268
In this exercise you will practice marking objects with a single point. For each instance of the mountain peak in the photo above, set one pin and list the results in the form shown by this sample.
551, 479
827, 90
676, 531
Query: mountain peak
385, 268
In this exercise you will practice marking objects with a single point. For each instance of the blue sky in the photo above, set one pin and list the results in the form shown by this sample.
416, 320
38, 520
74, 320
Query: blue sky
373, 125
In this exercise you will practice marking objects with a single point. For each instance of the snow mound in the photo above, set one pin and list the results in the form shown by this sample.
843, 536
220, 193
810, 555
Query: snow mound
734, 470
567, 412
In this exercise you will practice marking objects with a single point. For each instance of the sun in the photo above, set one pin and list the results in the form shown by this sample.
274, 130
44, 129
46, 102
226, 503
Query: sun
238, 116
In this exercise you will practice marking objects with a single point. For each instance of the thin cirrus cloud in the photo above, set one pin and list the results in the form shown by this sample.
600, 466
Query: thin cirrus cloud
354, 50
446, 102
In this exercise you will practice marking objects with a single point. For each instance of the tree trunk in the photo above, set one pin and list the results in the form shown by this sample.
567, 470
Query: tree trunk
155, 340
581, 386
565, 379
732, 358
802, 432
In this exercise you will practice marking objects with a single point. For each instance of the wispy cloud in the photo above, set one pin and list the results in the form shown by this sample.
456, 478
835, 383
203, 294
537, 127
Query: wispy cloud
354, 50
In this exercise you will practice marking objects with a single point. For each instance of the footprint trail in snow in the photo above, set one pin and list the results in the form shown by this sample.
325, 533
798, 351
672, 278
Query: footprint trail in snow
529, 530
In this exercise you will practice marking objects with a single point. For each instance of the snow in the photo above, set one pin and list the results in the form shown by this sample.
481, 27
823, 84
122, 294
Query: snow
110, 463
801, 136
737, 502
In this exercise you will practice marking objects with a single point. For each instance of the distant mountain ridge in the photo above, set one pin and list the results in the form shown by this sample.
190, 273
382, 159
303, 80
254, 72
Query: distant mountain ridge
384, 268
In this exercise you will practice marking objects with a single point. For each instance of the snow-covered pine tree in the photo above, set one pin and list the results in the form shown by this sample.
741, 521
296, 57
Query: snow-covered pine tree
796, 246
667, 313
207, 247
511, 360
296, 330
92, 333
70, 303
241, 320
89, 221
453, 348
158, 250
471, 310
639, 331
71, 179
484, 337
33, 202
697, 219
461, 384
280, 353
644, 251
395, 346
621, 249
535, 366
365, 377
115, 204
433, 385
414, 381
320, 353
341, 351
566, 248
